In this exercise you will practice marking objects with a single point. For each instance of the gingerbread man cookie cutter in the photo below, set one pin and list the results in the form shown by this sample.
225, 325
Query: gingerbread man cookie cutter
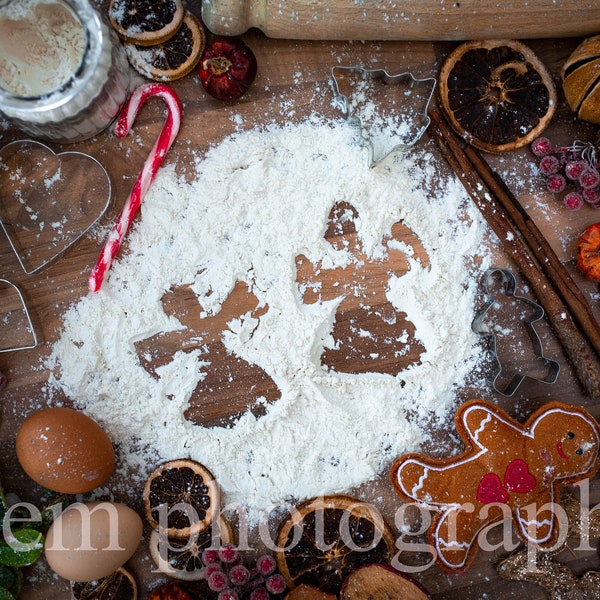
343, 103
480, 327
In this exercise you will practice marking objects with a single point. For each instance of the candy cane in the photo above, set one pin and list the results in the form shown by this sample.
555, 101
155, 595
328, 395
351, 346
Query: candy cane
148, 172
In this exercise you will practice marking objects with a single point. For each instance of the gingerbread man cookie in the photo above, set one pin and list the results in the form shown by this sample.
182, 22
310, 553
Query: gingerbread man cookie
507, 469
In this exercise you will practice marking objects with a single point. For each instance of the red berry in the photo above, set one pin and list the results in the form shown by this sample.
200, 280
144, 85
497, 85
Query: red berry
592, 196
211, 568
228, 553
589, 178
227, 68
228, 595
541, 146
259, 594
217, 581
573, 201
549, 165
574, 168
556, 183
266, 564
276, 584
210, 556
239, 575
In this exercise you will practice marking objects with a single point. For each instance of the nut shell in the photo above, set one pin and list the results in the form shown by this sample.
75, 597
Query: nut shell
581, 80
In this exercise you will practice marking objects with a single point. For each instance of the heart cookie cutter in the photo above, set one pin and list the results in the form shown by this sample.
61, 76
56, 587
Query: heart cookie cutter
479, 326
23, 307
343, 103
48, 200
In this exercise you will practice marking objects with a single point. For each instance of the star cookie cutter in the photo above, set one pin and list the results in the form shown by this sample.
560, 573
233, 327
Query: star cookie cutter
48, 200
480, 327
343, 103
27, 315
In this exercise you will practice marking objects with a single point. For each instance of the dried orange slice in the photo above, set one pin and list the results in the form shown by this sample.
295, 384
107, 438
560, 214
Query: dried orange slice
120, 585
581, 83
181, 498
325, 538
173, 58
146, 22
588, 252
182, 558
496, 94
380, 582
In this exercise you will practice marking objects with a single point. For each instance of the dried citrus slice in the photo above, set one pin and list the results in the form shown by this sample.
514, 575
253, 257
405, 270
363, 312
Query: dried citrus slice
182, 558
146, 22
181, 498
120, 585
325, 538
172, 58
588, 252
380, 582
496, 94
581, 81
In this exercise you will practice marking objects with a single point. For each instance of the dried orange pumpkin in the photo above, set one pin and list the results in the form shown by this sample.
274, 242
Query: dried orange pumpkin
581, 80
496, 94
588, 252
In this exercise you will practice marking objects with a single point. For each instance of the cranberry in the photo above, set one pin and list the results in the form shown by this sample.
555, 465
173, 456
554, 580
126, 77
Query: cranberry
227, 68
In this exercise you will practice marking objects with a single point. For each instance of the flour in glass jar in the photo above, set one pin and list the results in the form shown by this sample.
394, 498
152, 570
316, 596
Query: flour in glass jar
258, 200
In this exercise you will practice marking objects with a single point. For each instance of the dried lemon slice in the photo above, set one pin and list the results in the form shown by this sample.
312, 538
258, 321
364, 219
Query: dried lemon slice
182, 558
181, 498
146, 22
120, 585
172, 58
325, 538
496, 94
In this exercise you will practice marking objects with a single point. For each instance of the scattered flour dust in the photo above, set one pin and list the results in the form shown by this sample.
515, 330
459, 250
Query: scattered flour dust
259, 199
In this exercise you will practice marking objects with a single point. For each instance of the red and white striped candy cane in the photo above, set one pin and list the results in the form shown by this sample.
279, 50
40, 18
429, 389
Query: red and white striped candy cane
148, 172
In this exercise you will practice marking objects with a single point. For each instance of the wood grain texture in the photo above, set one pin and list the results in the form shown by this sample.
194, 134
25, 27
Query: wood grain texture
403, 20
292, 82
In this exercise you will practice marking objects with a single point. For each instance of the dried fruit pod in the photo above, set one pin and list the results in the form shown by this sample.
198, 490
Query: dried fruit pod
581, 80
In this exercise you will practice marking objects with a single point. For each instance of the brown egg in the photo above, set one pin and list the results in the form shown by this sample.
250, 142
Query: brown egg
65, 451
89, 541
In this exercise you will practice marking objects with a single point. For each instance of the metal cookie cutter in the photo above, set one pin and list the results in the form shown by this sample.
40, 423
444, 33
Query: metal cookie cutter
48, 200
23, 307
479, 326
343, 103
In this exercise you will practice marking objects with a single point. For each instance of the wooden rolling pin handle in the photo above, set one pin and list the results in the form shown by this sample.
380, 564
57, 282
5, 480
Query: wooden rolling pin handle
417, 20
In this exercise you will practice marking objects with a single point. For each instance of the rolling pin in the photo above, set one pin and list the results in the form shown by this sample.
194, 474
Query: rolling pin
417, 20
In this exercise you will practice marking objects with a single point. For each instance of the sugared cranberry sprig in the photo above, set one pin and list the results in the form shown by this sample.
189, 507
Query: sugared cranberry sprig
575, 166
232, 580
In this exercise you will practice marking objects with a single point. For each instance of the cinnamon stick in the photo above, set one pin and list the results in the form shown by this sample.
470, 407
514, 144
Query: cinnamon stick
575, 345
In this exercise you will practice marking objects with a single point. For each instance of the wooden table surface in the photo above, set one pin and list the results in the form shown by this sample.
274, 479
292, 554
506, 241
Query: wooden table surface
293, 81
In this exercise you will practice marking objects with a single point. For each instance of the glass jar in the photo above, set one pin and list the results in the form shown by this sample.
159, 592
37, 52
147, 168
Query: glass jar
58, 100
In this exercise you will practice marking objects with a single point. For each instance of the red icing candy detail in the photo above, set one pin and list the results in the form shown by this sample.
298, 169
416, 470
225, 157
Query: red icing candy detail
561, 452
518, 478
490, 490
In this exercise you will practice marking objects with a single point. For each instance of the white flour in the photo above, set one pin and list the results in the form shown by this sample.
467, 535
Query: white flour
259, 199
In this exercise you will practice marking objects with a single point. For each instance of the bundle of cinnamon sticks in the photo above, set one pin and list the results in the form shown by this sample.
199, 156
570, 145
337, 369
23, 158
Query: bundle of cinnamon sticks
566, 307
